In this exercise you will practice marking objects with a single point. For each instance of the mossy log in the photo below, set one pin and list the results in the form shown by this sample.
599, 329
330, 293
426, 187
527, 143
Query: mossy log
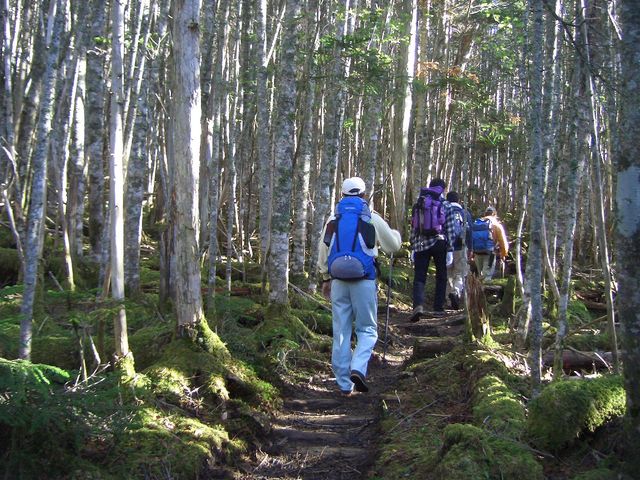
577, 360
425, 347
567, 408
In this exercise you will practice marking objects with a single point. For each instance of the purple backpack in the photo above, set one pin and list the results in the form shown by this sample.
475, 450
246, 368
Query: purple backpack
427, 215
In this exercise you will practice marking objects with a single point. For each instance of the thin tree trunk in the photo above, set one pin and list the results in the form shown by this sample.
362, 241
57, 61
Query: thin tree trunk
38, 203
334, 118
123, 356
283, 154
600, 220
303, 164
213, 155
94, 134
262, 134
536, 206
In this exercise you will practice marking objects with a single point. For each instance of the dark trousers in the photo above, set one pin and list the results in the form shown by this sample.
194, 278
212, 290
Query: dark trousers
421, 266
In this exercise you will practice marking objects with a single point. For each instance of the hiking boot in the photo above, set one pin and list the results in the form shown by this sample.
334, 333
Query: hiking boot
455, 301
358, 381
417, 313
438, 313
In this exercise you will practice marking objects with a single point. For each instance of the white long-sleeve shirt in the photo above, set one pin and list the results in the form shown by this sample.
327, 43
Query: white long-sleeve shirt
387, 238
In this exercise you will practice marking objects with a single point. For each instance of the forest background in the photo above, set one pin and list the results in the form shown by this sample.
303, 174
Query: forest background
210, 135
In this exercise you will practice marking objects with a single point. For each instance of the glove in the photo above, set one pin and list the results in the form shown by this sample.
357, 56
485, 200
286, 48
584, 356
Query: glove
326, 290
449, 258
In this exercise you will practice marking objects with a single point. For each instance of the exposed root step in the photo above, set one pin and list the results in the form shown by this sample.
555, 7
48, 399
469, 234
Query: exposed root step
331, 454
313, 404
427, 330
314, 437
328, 421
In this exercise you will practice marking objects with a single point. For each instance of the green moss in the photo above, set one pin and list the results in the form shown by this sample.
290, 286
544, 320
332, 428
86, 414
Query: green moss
60, 350
158, 445
498, 408
148, 342
577, 313
597, 474
469, 452
589, 341
282, 328
188, 376
567, 408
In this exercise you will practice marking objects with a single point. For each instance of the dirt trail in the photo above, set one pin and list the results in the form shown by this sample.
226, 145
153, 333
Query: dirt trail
322, 435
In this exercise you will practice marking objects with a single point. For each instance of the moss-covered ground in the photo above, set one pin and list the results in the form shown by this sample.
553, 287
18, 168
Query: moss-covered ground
197, 409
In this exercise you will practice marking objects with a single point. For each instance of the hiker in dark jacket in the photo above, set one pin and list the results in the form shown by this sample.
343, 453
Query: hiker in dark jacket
457, 271
427, 246
354, 300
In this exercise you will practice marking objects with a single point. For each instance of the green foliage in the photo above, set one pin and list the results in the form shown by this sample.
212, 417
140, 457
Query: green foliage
577, 312
371, 67
567, 408
45, 424
9, 266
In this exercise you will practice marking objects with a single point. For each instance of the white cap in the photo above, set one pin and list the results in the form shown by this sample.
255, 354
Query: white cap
353, 186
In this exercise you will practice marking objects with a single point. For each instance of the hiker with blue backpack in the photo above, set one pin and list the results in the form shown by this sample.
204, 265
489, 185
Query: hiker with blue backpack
432, 225
459, 268
347, 264
489, 243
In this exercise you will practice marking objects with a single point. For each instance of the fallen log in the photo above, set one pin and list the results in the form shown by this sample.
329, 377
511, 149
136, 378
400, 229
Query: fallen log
428, 347
576, 360
597, 306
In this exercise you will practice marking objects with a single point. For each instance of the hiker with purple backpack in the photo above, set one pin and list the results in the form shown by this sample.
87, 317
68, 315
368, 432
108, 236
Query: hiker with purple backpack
432, 224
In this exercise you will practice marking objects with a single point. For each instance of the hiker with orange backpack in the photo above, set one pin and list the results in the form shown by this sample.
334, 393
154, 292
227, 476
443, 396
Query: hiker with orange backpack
347, 263
489, 243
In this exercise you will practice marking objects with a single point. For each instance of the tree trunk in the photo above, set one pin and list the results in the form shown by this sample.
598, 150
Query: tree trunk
94, 139
262, 133
123, 356
599, 214
283, 156
186, 162
301, 199
403, 116
333, 120
536, 206
628, 221
38, 203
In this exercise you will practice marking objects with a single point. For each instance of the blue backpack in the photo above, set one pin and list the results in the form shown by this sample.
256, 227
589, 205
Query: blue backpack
481, 236
351, 238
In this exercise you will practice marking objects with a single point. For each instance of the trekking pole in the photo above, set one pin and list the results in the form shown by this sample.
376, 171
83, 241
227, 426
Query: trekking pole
386, 322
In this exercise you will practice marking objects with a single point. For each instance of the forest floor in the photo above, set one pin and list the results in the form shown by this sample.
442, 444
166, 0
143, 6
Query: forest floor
322, 434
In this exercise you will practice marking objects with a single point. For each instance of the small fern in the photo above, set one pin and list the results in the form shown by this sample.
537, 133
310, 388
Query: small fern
43, 423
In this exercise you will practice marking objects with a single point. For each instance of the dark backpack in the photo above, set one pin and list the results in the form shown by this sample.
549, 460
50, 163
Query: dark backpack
351, 238
458, 226
427, 215
481, 236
